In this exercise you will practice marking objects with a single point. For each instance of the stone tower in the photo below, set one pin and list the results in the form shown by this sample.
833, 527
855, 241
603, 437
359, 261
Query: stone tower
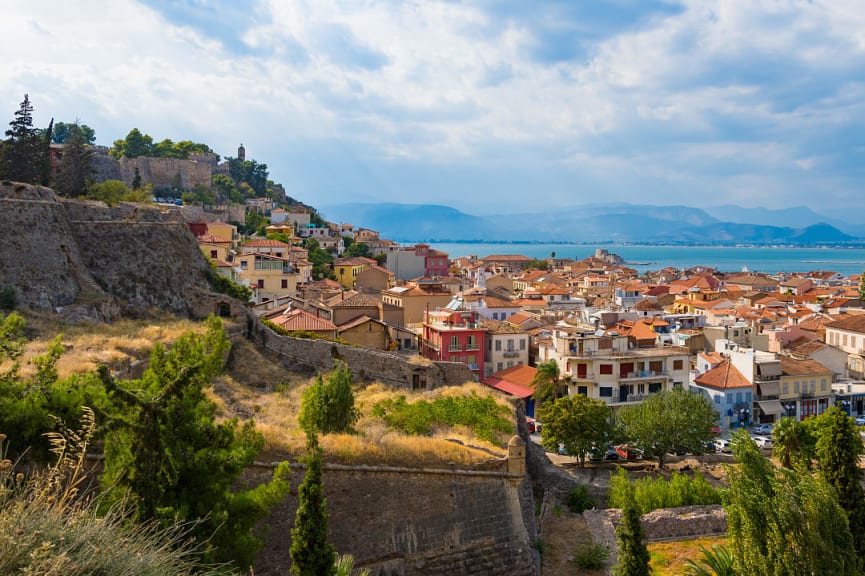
241, 153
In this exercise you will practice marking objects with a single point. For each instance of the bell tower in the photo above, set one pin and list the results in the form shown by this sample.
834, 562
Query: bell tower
241, 153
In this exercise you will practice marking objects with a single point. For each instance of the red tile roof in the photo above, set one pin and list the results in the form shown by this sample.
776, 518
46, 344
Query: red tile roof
724, 377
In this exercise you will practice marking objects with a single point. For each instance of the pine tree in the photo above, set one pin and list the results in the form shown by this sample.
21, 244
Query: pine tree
311, 554
329, 407
22, 150
136, 180
76, 164
633, 554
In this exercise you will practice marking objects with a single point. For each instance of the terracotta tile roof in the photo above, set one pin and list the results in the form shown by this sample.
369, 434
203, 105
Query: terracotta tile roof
357, 301
298, 319
494, 302
501, 327
264, 243
520, 374
725, 376
356, 321
506, 258
793, 367
851, 323
712, 357
804, 347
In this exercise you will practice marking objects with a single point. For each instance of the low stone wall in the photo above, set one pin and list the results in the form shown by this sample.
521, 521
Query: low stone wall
368, 365
681, 523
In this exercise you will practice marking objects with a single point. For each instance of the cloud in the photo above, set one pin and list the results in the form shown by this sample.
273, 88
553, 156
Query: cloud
476, 103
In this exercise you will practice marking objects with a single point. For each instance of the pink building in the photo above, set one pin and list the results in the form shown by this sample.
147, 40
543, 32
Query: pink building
454, 336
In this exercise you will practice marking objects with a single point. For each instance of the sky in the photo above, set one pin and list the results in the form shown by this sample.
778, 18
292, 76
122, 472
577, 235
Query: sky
491, 107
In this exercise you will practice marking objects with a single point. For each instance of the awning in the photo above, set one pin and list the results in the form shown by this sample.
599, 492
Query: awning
772, 388
770, 407
772, 368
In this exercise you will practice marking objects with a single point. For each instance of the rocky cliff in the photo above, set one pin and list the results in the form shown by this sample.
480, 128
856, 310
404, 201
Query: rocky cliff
73, 253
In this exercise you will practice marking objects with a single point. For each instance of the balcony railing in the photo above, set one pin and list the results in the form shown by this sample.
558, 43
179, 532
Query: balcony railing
510, 354
645, 374
453, 348
472, 347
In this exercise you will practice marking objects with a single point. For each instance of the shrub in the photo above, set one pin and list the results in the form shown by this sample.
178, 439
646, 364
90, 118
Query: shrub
591, 556
329, 407
482, 415
651, 494
579, 500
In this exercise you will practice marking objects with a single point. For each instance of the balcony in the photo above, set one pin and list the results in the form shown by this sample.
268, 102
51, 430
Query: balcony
644, 374
472, 347
511, 354
455, 348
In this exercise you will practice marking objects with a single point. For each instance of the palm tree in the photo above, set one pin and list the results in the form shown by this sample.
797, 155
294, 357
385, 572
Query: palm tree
547, 384
790, 442
715, 562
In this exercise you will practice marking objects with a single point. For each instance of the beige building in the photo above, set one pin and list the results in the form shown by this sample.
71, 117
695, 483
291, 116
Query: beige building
416, 299
507, 346
366, 305
365, 331
606, 368
268, 276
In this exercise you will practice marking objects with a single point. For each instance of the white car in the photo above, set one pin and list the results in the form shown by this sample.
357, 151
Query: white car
722, 445
859, 421
762, 442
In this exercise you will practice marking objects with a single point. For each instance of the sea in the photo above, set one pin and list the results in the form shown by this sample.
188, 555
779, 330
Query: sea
765, 259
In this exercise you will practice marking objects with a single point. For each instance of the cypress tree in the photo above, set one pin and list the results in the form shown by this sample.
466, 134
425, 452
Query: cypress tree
633, 554
311, 554
839, 448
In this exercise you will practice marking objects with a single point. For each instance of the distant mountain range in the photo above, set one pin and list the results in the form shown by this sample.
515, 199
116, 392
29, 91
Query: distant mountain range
600, 223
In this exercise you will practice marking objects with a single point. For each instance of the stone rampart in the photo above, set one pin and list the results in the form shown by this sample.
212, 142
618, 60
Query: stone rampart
418, 522
388, 368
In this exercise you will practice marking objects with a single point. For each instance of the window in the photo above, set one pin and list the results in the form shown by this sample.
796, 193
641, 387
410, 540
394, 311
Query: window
499, 367
606, 368
606, 391
522, 343
455, 344
718, 399
213, 254
822, 385
510, 344
510, 363
498, 345
581, 370
283, 283
786, 387
584, 390
261, 282
473, 342
677, 364
243, 264
656, 366
655, 387
641, 388
796, 387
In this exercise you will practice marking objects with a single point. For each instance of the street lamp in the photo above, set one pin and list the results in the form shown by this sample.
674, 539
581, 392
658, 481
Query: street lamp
791, 409
744, 413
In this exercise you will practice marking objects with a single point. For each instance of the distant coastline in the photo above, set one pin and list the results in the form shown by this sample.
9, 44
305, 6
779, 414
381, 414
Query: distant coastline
845, 260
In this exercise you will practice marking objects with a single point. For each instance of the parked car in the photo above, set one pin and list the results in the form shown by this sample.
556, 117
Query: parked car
762, 429
709, 448
722, 445
859, 421
716, 430
628, 453
600, 453
762, 441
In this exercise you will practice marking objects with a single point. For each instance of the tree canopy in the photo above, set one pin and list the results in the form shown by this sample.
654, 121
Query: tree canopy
669, 420
138, 144
23, 154
62, 131
576, 423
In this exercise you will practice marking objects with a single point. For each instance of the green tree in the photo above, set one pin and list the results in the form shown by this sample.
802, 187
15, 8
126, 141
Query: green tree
329, 407
311, 554
633, 557
792, 443
784, 522
109, 191
546, 382
23, 151
839, 449
136, 179
537, 264
62, 130
226, 189
358, 249
576, 423
862, 287
322, 260
134, 145
669, 420
76, 164
165, 453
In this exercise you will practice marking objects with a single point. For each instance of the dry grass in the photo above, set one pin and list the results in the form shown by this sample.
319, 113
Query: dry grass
668, 558
91, 344
275, 408
562, 532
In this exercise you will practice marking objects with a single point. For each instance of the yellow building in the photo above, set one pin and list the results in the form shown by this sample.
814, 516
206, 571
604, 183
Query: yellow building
268, 276
365, 331
347, 269
416, 299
